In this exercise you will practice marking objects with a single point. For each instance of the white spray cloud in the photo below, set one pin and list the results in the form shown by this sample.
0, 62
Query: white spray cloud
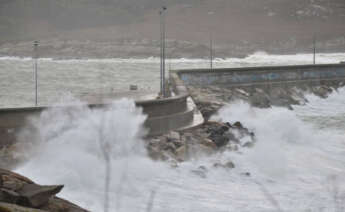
67, 148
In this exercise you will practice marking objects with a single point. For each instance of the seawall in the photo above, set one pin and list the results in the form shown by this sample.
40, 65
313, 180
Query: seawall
233, 77
173, 113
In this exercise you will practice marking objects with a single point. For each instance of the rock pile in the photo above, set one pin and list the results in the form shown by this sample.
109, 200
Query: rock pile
210, 138
210, 99
18, 193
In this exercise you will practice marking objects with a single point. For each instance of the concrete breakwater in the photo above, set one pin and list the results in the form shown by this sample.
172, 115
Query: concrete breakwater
163, 115
236, 77
213, 89
261, 86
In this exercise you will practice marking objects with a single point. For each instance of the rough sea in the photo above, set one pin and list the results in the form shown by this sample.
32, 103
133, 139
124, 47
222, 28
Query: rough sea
297, 164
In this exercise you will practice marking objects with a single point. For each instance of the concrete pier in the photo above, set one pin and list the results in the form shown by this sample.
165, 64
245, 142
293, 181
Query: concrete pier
173, 113
236, 77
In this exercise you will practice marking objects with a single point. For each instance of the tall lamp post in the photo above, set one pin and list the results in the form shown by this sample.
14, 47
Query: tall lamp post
162, 47
36, 43
211, 42
314, 19
314, 44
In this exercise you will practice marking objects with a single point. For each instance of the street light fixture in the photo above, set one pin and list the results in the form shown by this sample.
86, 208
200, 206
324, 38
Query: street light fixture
162, 50
36, 43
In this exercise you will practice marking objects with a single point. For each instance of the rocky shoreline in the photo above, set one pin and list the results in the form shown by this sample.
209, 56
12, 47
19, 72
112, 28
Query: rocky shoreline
20, 194
205, 140
210, 99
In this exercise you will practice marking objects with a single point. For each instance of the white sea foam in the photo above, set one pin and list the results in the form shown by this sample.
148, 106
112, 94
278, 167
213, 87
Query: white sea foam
257, 57
294, 162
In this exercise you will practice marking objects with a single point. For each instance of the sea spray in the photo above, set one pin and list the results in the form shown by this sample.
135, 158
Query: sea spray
291, 161
67, 146
290, 153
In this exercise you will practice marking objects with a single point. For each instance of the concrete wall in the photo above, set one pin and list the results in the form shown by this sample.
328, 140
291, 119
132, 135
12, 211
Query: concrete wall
174, 113
163, 115
257, 75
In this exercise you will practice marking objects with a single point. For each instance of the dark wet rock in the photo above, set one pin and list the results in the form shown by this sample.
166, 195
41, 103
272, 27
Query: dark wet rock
178, 143
219, 134
169, 147
231, 137
6, 174
281, 102
322, 91
6, 207
243, 130
261, 96
238, 125
60, 205
260, 100
207, 139
217, 165
209, 143
228, 124
242, 92
247, 174
219, 140
173, 136
201, 171
12, 184
9, 196
208, 109
227, 165
203, 168
34, 195
21, 191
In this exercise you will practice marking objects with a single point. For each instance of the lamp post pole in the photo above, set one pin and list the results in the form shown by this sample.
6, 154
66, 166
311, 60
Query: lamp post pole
211, 51
162, 50
36, 43
314, 44
211, 40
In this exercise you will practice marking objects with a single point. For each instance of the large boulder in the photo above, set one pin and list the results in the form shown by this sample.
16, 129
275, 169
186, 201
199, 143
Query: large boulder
6, 207
208, 109
21, 191
34, 195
